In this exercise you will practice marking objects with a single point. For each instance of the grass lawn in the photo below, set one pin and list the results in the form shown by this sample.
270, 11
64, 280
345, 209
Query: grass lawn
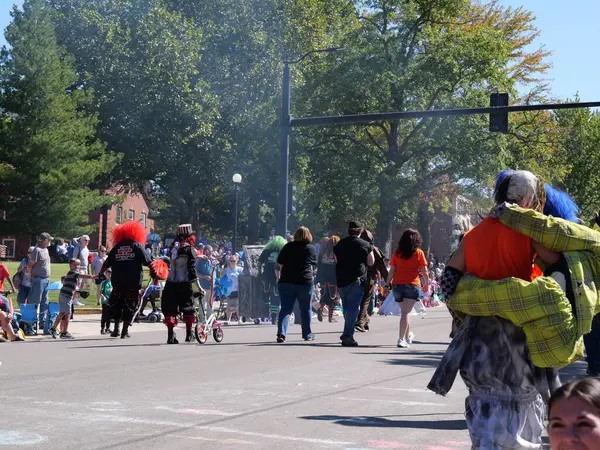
58, 270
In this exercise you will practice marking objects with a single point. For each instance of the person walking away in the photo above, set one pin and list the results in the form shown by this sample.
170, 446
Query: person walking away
97, 263
127, 259
408, 265
6, 317
105, 292
353, 255
71, 281
326, 278
25, 282
297, 260
233, 272
269, 273
374, 272
39, 272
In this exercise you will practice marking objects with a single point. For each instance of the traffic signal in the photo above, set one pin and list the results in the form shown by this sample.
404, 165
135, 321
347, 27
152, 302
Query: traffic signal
499, 120
291, 199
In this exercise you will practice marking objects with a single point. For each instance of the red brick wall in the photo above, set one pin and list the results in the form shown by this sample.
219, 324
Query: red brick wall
134, 202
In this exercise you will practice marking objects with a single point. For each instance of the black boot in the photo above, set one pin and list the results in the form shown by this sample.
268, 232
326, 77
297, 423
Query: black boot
189, 336
171, 338
116, 332
125, 332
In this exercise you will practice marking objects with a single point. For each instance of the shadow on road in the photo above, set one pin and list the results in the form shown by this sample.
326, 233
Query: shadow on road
380, 422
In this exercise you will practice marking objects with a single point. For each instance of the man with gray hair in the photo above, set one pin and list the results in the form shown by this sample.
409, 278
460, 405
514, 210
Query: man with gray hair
39, 274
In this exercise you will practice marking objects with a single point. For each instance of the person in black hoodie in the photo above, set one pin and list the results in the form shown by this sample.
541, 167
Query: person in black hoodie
127, 259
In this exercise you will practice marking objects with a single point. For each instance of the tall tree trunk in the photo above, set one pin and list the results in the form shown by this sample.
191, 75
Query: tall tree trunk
385, 219
424, 225
254, 218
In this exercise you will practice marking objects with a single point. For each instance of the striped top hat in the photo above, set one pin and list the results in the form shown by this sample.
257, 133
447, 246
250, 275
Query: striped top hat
184, 229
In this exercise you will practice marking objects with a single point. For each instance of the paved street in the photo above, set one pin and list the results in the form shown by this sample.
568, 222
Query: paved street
247, 392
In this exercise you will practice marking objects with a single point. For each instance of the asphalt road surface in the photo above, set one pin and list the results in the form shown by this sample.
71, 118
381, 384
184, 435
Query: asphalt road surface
247, 392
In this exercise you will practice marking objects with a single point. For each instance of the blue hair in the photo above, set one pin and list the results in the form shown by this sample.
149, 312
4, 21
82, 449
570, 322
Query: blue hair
501, 177
560, 204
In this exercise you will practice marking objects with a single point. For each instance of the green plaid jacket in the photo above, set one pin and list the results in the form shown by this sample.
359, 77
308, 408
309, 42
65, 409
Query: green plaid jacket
554, 331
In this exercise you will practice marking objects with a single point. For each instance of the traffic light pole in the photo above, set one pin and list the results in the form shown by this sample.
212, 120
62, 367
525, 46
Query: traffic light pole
284, 154
393, 116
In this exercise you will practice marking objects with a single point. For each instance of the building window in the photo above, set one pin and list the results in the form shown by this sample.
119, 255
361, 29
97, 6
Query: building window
143, 219
119, 214
10, 247
131, 215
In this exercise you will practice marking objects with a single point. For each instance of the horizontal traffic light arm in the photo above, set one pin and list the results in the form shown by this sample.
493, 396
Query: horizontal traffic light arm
392, 116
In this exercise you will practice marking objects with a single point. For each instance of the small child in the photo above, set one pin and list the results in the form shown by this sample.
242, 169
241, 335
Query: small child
65, 299
105, 291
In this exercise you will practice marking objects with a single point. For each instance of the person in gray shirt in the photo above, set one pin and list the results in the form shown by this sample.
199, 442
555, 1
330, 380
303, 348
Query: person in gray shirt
39, 274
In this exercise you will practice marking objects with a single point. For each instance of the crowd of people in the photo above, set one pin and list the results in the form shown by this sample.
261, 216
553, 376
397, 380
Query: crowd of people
514, 325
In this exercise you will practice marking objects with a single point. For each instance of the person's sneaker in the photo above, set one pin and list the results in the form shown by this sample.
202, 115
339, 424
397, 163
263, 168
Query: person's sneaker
411, 338
350, 342
17, 339
366, 327
310, 338
102, 331
280, 339
402, 343
78, 303
359, 328
320, 315
66, 335
53, 333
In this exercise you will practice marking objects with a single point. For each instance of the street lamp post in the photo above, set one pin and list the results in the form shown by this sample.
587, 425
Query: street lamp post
237, 179
284, 155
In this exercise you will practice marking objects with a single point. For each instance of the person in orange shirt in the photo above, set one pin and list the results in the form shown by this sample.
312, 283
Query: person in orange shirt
408, 264
505, 407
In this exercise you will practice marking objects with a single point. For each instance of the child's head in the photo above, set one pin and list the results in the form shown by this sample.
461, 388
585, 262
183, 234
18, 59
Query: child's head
102, 250
74, 264
574, 415
108, 274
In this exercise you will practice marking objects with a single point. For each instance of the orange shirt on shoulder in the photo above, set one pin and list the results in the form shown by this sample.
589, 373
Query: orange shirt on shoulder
407, 270
494, 251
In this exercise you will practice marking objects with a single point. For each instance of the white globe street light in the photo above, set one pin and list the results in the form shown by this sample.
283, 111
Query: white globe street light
237, 179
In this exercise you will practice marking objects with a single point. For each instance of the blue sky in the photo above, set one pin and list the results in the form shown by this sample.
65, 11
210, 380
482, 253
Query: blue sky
568, 29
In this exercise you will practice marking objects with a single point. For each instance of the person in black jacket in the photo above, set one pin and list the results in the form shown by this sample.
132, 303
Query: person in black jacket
127, 259
178, 295
298, 260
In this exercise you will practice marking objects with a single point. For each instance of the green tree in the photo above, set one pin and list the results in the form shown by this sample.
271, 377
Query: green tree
419, 55
51, 160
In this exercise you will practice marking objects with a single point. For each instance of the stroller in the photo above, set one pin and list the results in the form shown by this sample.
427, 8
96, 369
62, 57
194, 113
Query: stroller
159, 271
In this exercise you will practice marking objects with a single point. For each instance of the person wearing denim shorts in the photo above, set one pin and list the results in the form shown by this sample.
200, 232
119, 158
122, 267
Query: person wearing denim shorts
39, 274
408, 264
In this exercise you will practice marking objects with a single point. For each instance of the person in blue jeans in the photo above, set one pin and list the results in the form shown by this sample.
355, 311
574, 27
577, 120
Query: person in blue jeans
39, 274
297, 260
352, 255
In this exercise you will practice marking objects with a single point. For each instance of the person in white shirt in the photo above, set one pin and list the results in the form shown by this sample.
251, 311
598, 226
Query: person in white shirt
82, 253
97, 262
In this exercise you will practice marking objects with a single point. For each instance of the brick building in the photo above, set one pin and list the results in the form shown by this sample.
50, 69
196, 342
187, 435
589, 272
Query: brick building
104, 220
134, 207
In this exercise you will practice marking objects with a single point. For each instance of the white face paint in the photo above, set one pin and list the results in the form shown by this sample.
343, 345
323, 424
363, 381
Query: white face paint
522, 189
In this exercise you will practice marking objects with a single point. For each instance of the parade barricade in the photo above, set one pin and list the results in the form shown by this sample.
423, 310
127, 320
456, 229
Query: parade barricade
250, 286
